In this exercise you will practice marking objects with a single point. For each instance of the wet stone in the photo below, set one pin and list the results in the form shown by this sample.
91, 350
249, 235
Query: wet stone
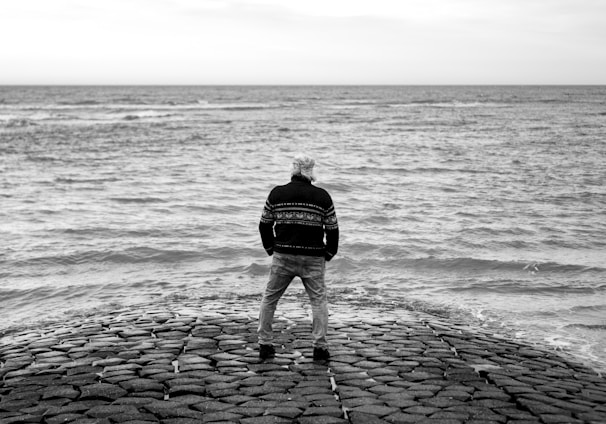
440, 402
184, 381
141, 385
325, 410
381, 389
285, 412
154, 395
361, 383
194, 367
63, 418
15, 405
418, 376
354, 402
103, 411
404, 418
421, 410
378, 410
168, 409
361, 418
212, 406
188, 399
74, 407
266, 419
321, 420
237, 399
102, 391
187, 389
135, 401
60, 392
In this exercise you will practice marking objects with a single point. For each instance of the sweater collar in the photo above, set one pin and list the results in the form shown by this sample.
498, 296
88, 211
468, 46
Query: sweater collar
299, 179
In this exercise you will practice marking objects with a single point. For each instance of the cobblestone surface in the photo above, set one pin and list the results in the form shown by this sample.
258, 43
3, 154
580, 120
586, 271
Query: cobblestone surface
197, 361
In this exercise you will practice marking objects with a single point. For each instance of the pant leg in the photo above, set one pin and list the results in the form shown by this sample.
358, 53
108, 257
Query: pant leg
312, 275
280, 276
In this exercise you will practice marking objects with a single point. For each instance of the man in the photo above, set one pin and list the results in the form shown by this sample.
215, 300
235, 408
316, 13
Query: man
295, 219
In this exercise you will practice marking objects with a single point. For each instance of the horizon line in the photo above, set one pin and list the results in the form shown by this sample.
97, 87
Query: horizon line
312, 85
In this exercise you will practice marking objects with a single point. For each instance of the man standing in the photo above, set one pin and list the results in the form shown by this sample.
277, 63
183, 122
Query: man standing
295, 219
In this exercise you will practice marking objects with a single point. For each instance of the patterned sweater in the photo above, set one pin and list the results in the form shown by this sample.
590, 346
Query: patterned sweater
300, 214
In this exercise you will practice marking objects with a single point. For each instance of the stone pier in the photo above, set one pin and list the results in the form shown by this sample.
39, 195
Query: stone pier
196, 361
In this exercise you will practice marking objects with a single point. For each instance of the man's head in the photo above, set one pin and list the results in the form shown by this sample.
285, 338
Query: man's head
303, 166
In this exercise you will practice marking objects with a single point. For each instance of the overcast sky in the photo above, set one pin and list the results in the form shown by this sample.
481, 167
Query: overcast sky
303, 42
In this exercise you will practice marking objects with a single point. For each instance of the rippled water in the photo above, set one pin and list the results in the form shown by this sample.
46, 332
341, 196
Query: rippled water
482, 204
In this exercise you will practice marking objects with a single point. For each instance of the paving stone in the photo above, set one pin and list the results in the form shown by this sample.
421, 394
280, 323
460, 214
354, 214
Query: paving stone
323, 419
480, 415
559, 418
212, 406
360, 383
418, 376
383, 389
515, 414
141, 385
265, 389
154, 395
362, 418
60, 392
325, 410
491, 394
168, 409
74, 407
266, 419
440, 402
538, 408
221, 416
103, 411
403, 418
377, 410
187, 399
490, 403
102, 391
421, 410
135, 401
187, 389
63, 418
401, 403
286, 412
449, 415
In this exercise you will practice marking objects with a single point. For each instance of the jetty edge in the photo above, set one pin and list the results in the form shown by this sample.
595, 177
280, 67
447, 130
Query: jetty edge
196, 360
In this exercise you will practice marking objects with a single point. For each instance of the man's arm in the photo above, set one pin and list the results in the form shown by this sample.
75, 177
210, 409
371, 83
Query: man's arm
331, 228
332, 243
266, 228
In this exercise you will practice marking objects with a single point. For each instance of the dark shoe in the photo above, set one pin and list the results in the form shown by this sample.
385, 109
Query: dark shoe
321, 354
266, 351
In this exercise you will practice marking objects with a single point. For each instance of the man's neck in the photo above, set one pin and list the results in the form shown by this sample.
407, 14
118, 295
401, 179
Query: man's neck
300, 178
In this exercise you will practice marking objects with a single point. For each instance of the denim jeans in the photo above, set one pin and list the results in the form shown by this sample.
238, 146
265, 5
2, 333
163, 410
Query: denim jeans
284, 268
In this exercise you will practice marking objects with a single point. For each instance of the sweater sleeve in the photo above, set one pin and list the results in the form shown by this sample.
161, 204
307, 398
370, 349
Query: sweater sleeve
266, 228
331, 227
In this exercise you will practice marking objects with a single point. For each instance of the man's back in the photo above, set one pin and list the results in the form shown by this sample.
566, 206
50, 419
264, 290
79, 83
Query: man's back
301, 213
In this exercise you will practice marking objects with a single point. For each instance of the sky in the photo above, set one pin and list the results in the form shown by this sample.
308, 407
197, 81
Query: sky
302, 42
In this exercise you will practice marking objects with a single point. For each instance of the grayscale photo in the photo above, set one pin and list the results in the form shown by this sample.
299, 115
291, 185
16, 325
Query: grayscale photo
272, 211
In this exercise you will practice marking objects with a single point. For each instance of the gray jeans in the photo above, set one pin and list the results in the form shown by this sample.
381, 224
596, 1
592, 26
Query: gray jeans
284, 268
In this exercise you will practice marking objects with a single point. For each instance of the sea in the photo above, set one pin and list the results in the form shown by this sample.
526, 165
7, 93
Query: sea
484, 205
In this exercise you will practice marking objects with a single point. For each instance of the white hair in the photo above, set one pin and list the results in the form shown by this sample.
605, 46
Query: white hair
303, 165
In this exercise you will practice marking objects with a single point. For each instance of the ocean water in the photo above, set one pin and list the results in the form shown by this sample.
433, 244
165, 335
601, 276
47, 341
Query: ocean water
485, 205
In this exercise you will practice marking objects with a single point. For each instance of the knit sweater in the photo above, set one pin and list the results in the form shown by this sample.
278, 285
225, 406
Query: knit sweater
295, 219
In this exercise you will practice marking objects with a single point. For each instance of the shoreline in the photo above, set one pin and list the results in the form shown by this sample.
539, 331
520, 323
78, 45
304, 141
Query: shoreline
197, 359
351, 298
